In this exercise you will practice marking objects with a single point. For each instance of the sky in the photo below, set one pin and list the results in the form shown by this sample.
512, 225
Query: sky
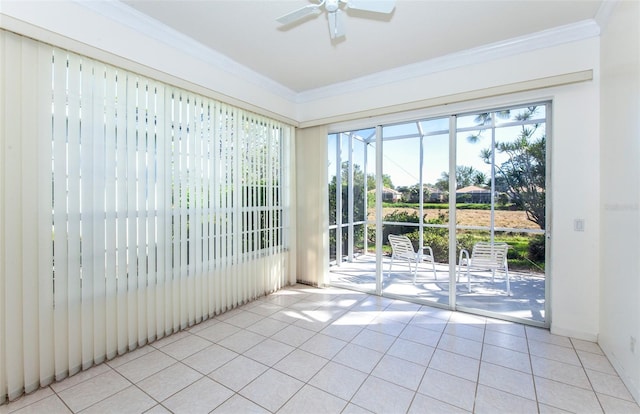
401, 146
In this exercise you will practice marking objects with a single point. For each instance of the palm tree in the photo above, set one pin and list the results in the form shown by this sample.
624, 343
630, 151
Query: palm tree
523, 175
465, 176
484, 119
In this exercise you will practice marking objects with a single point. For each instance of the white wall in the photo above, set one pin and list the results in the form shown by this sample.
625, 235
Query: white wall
575, 169
620, 157
540, 63
312, 206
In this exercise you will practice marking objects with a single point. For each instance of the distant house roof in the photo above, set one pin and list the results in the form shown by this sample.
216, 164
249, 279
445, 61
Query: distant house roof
391, 190
473, 189
433, 190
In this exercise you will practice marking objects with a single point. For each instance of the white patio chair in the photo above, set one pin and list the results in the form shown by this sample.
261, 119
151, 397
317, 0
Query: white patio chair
402, 249
485, 256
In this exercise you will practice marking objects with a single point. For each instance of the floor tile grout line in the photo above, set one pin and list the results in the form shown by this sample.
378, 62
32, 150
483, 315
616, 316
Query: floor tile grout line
475, 395
533, 378
585, 373
57, 396
427, 366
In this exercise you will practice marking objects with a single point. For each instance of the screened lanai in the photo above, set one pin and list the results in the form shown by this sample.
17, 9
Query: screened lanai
448, 184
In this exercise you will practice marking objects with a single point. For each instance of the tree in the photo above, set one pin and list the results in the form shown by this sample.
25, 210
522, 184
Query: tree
371, 181
522, 175
386, 181
465, 176
358, 201
411, 193
485, 119
480, 179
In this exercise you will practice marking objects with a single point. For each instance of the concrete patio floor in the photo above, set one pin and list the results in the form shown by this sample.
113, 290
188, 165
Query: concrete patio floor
526, 302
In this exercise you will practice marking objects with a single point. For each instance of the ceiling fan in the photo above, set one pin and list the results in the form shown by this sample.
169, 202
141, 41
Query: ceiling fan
335, 14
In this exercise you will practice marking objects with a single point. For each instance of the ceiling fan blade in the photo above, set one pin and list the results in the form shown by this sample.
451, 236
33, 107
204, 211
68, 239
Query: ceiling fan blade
336, 24
377, 6
299, 14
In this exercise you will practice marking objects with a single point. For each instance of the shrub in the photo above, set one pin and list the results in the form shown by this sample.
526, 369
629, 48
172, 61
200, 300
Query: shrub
537, 248
399, 217
465, 241
402, 217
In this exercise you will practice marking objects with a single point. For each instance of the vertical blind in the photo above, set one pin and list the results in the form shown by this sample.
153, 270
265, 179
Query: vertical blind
129, 209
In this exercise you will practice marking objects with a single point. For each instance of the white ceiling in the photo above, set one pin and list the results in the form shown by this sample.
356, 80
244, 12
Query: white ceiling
302, 57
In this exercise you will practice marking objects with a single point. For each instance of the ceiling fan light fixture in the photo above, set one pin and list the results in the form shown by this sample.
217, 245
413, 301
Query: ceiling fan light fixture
336, 24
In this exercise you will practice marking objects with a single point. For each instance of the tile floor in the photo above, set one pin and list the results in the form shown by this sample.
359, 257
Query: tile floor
527, 299
307, 350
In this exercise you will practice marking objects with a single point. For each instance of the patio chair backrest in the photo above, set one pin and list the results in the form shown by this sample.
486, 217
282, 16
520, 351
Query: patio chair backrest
402, 247
491, 256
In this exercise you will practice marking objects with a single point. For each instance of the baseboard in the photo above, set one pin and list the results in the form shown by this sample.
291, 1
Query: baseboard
585, 336
632, 386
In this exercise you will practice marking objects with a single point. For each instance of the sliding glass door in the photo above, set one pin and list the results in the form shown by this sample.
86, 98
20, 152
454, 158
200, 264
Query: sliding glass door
415, 205
467, 191
500, 200
351, 178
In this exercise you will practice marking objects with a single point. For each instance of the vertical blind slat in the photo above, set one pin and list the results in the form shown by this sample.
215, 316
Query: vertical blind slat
122, 325
131, 136
97, 329
141, 191
183, 275
44, 250
109, 313
199, 212
176, 214
217, 203
165, 232
137, 209
11, 261
161, 212
61, 267
29, 207
192, 212
87, 97
5, 40
236, 235
152, 276
74, 220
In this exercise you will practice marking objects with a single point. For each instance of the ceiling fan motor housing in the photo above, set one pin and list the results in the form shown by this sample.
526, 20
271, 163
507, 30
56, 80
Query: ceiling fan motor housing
332, 5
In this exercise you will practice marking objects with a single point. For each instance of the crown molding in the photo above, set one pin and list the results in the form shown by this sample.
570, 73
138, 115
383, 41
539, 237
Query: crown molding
604, 12
147, 26
152, 28
547, 38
